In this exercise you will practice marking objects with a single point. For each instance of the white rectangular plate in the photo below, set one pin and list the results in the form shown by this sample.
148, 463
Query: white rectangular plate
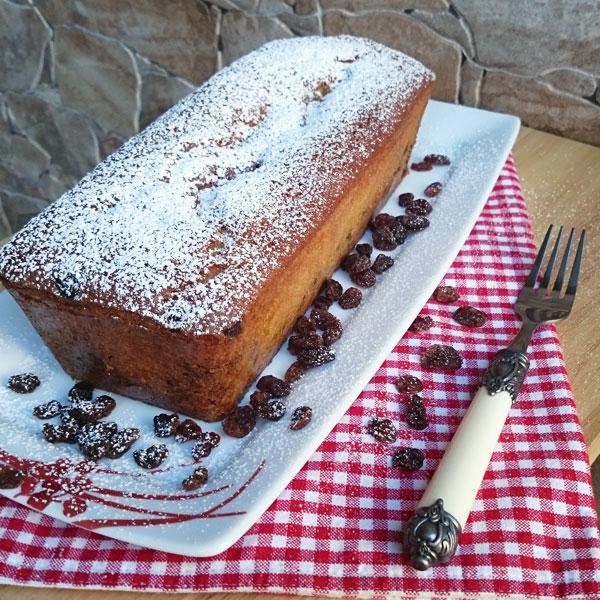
120, 500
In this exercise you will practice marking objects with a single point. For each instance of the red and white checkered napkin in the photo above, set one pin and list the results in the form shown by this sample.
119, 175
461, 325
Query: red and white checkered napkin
337, 528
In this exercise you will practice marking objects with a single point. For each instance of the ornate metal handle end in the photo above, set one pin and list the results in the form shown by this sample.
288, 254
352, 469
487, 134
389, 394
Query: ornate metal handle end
432, 536
506, 373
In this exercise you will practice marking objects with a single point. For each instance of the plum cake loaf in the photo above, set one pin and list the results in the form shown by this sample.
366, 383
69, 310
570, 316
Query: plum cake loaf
173, 271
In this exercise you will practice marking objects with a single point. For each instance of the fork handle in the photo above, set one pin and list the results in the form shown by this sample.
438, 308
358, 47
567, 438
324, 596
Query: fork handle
432, 533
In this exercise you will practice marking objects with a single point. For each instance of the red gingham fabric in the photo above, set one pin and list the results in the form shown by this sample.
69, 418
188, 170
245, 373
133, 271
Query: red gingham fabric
336, 529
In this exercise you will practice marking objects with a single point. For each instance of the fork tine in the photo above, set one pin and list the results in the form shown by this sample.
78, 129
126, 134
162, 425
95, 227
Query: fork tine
535, 269
563, 264
548, 273
574, 278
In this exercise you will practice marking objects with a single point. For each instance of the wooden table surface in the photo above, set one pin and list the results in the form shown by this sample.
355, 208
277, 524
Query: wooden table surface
561, 182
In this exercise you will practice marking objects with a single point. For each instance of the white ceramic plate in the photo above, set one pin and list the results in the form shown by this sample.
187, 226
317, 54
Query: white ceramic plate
120, 500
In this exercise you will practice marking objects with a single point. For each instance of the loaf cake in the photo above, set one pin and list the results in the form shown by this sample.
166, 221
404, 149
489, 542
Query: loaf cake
173, 271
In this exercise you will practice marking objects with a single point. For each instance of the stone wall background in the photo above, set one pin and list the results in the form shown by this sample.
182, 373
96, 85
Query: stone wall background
78, 77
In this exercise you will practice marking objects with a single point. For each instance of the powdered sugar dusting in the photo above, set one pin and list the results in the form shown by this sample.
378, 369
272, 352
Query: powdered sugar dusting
184, 223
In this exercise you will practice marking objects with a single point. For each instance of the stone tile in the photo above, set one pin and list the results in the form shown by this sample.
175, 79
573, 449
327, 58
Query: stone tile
242, 33
302, 24
20, 208
361, 5
17, 183
25, 158
573, 81
399, 31
542, 107
446, 24
471, 76
23, 38
66, 135
271, 8
51, 186
99, 77
159, 93
536, 36
5, 230
110, 144
304, 8
180, 38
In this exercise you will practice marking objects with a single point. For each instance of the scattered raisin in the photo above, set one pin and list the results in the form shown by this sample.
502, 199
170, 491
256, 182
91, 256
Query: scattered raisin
433, 189
419, 207
332, 334
365, 279
94, 438
409, 384
82, 390
294, 372
298, 342
201, 450
404, 199
278, 388
24, 383
364, 249
11, 478
421, 323
446, 294
437, 159
187, 430
87, 411
258, 397
304, 325
383, 430
469, 316
417, 419
324, 319
354, 263
55, 434
272, 410
322, 302
384, 238
409, 459
421, 166
196, 480
240, 422
382, 220
440, 356
48, 410
212, 437
151, 457
165, 424
351, 298
415, 222
121, 441
399, 231
301, 417
382, 263
315, 357
332, 290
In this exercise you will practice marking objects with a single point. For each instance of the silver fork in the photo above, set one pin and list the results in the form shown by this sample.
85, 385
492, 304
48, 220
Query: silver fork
432, 533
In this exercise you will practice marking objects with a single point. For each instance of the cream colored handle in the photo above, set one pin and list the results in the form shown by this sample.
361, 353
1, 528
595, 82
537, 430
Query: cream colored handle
458, 477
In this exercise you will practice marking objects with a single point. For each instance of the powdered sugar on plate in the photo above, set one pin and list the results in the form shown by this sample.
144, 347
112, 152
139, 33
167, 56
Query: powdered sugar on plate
184, 223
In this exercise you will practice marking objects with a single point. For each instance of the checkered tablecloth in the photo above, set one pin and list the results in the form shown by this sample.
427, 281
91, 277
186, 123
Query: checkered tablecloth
336, 529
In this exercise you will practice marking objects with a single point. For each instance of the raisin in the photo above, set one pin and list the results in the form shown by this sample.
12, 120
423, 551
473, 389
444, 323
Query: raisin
258, 397
294, 372
419, 207
446, 294
421, 323
364, 249
212, 437
196, 480
410, 459
440, 356
304, 325
433, 189
48, 410
55, 434
301, 417
165, 424
201, 450
417, 419
272, 410
399, 231
187, 430
404, 199
332, 335
382, 263
365, 279
298, 342
469, 316
87, 411
332, 290
23, 383
384, 238
278, 388
94, 439
151, 457
415, 222
354, 263
421, 166
409, 384
82, 390
437, 159
351, 298
315, 357
382, 220
324, 319
240, 422
383, 430
121, 441
11, 478
322, 303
